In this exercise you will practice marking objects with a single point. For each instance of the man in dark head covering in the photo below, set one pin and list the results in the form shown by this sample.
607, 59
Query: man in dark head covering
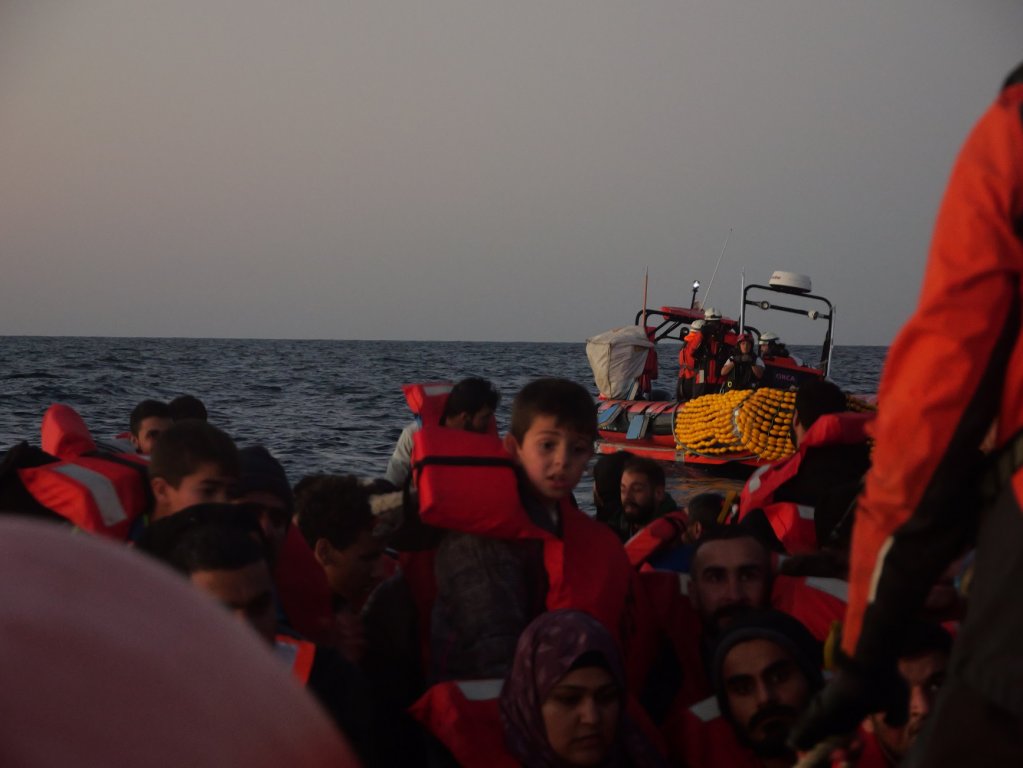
262, 483
767, 666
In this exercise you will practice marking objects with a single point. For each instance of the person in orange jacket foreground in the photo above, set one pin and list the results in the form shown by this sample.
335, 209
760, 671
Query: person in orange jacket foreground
956, 367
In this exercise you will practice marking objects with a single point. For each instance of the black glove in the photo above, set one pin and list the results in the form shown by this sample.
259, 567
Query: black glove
853, 693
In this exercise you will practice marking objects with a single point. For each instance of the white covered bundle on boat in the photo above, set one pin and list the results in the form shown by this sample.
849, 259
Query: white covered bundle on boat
617, 358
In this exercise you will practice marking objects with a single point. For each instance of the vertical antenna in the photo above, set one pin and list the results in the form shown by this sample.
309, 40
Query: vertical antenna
646, 279
706, 295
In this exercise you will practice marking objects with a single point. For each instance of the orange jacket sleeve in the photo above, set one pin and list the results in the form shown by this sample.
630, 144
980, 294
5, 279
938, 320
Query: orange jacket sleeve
954, 368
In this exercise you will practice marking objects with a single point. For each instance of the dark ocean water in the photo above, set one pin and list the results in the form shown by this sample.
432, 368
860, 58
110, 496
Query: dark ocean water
319, 406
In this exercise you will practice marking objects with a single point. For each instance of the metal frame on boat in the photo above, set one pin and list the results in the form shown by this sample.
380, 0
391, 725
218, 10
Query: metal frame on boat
644, 422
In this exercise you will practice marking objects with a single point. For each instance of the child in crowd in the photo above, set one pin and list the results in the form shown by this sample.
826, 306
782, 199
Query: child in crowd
193, 462
489, 587
149, 419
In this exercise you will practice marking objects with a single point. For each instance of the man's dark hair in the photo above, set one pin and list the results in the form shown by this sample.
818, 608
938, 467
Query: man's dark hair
730, 533
705, 509
816, 397
607, 479
187, 407
469, 396
920, 637
333, 507
649, 468
188, 444
145, 410
569, 403
214, 547
162, 537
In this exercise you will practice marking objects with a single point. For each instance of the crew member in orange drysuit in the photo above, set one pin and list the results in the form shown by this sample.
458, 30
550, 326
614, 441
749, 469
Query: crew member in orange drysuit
955, 367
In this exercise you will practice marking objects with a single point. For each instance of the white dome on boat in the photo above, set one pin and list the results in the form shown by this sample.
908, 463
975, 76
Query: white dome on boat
790, 281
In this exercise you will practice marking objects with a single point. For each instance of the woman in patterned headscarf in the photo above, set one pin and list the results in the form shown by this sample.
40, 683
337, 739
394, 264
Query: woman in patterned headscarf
563, 703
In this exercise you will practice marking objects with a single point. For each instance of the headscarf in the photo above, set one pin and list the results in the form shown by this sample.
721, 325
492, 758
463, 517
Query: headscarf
546, 652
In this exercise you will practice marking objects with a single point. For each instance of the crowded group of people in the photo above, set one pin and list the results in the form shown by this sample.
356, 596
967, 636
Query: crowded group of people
464, 610
715, 359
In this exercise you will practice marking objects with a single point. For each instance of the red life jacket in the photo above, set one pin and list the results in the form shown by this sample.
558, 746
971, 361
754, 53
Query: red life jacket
302, 587
102, 492
687, 355
426, 400
299, 654
465, 717
816, 602
467, 482
651, 538
700, 737
793, 523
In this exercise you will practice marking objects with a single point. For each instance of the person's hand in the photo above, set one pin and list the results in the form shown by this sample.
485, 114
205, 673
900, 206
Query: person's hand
837, 711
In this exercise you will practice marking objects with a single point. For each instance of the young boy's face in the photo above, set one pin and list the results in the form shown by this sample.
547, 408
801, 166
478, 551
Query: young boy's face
207, 484
553, 457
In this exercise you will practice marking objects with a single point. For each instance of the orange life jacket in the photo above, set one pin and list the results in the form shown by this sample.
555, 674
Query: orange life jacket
426, 400
465, 717
467, 482
652, 537
302, 587
816, 602
299, 654
687, 355
699, 737
98, 491
793, 523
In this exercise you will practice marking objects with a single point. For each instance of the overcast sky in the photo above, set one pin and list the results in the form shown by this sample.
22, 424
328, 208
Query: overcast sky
475, 170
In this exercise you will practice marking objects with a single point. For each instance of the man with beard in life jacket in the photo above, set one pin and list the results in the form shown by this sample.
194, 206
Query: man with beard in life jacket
832, 455
923, 659
766, 667
642, 496
470, 405
744, 369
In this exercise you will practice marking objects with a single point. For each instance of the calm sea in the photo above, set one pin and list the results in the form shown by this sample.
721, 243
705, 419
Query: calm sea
319, 406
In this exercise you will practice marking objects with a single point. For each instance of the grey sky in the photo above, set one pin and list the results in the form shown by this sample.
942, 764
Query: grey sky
473, 170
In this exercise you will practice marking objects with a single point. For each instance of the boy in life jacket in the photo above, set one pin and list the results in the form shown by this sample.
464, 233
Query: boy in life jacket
220, 550
488, 587
192, 463
334, 515
149, 419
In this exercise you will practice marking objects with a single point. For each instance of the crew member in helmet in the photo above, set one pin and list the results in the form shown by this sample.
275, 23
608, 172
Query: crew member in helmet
711, 354
771, 346
687, 360
744, 369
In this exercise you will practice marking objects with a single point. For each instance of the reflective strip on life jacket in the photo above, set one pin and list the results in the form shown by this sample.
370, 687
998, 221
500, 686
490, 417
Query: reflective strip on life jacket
109, 506
470, 728
478, 690
95, 494
298, 654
